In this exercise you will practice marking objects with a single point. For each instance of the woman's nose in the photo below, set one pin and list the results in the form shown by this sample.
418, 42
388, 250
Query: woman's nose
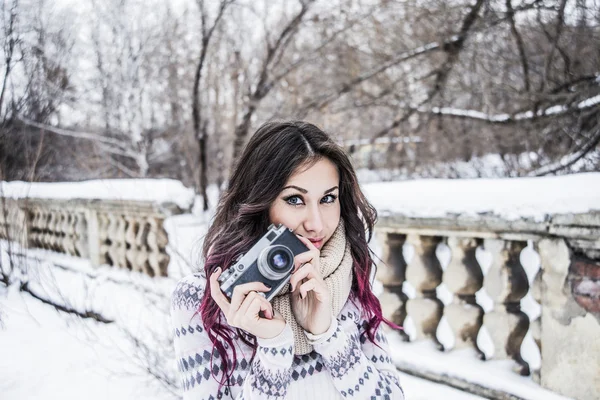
313, 221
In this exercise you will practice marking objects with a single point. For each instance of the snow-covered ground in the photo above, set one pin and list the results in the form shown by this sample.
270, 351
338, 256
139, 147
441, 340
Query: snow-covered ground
47, 354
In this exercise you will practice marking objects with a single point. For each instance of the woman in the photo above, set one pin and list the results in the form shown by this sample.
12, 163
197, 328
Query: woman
321, 336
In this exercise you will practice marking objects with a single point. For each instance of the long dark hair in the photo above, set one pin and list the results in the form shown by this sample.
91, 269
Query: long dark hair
272, 155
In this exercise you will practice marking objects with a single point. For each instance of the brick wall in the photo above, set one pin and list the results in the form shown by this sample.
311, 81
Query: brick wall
584, 275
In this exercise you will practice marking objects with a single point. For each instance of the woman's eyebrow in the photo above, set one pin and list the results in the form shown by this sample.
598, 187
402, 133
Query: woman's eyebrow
306, 191
295, 187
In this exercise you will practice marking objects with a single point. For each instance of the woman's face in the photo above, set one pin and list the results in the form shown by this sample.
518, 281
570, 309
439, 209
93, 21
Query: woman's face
309, 202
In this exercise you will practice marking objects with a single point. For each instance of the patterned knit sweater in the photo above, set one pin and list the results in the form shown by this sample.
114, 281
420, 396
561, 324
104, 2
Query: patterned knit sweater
343, 364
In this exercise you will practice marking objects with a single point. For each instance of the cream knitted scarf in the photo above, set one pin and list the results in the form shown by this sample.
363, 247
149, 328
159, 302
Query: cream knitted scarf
336, 269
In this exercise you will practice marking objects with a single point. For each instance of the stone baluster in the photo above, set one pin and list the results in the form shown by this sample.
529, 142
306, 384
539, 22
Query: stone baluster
536, 325
392, 274
157, 241
131, 248
55, 228
531, 305
424, 273
506, 283
463, 277
141, 242
57, 240
114, 248
43, 228
103, 238
71, 233
119, 241
65, 236
39, 227
48, 240
34, 218
80, 235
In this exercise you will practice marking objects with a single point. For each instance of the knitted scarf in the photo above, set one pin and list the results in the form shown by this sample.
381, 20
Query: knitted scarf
336, 269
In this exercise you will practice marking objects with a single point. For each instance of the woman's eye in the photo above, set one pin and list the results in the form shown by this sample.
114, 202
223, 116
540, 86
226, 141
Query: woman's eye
328, 199
294, 200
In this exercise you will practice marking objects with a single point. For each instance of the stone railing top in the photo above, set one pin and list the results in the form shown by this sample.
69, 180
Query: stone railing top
508, 199
117, 191
582, 227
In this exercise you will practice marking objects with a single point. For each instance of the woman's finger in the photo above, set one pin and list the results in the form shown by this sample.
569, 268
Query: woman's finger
308, 243
254, 308
306, 257
216, 293
307, 271
311, 284
240, 292
312, 255
251, 307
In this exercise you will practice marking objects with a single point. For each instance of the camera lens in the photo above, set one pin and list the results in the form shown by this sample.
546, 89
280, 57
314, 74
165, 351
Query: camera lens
275, 262
279, 260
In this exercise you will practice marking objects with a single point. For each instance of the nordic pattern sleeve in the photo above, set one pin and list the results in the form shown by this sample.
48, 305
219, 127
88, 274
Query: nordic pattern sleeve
266, 377
358, 367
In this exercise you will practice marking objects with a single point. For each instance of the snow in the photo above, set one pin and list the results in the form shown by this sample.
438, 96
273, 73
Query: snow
509, 198
156, 190
496, 374
486, 166
505, 117
47, 355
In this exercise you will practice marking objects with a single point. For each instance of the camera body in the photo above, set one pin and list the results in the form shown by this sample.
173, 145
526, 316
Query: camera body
270, 260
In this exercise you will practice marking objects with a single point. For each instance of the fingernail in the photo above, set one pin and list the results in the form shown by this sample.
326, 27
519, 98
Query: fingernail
290, 288
217, 270
268, 287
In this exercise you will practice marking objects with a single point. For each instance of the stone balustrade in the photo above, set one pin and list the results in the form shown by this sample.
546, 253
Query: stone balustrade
491, 281
122, 233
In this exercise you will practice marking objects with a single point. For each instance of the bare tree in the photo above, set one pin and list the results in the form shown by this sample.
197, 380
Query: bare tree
200, 125
261, 88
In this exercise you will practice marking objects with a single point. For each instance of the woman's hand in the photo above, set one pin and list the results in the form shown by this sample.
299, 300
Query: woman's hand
311, 300
246, 304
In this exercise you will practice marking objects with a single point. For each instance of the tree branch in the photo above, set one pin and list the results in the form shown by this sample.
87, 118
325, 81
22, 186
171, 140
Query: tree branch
529, 115
571, 159
24, 287
520, 44
81, 135
559, 26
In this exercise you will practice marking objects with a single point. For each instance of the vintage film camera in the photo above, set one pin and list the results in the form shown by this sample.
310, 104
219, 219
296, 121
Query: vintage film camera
270, 260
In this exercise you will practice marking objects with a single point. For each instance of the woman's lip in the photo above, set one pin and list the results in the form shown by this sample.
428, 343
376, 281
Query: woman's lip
317, 242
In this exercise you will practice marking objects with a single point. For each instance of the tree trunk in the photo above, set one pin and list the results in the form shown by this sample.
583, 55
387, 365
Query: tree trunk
202, 175
241, 134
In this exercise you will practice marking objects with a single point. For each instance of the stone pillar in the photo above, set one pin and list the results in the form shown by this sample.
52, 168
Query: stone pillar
506, 283
157, 241
464, 278
424, 273
82, 236
570, 335
392, 274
